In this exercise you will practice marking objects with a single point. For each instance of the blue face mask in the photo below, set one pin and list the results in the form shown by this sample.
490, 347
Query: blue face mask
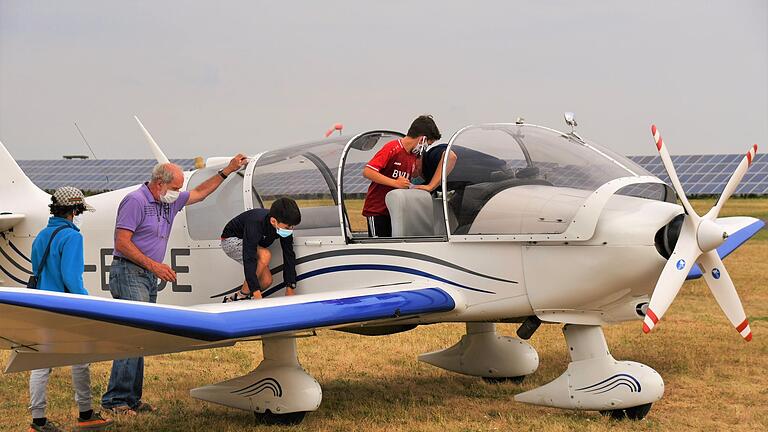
283, 232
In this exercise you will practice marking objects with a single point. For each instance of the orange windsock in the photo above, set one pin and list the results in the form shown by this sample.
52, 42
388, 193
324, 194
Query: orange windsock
336, 127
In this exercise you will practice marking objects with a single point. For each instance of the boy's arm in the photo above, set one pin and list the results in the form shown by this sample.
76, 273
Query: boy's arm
289, 261
438, 176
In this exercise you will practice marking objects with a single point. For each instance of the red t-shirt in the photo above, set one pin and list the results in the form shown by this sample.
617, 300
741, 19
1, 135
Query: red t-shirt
392, 161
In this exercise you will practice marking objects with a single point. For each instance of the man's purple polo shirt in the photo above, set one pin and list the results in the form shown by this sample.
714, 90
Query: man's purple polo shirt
149, 220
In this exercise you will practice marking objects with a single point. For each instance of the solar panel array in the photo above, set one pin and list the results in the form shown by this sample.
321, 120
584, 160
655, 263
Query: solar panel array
309, 182
708, 174
92, 175
700, 175
303, 182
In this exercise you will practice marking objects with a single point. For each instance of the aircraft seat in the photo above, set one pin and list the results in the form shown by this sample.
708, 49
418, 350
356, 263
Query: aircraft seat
318, 221
412, 213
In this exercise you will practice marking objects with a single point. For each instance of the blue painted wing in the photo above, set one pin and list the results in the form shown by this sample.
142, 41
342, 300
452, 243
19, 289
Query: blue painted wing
734, 240
54, 329
235, 324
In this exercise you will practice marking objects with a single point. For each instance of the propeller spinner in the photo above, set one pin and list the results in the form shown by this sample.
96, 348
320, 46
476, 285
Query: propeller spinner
699, 238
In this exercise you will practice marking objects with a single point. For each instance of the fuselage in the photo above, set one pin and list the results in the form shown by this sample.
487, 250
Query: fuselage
600, 279
535, 222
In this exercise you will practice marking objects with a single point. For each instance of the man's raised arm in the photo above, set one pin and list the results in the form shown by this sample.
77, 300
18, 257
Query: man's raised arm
207, 187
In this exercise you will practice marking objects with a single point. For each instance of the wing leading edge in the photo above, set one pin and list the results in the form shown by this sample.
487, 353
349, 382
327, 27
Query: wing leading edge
53, 329
10, 220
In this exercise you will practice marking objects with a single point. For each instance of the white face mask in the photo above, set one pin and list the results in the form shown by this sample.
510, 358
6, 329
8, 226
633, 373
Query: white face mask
170, 196
419, 149
78, 221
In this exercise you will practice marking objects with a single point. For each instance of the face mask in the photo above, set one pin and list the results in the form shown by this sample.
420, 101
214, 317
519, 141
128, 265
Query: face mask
419, 149
170, 196
78, 221
283, 232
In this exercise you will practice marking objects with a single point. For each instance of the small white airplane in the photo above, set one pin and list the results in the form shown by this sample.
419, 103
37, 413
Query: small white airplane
532, 225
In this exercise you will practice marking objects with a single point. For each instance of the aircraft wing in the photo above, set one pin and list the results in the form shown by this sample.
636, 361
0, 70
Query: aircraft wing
46, 329
10, 220
739, 229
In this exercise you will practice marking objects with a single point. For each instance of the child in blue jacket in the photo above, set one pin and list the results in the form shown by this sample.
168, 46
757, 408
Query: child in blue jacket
62, 272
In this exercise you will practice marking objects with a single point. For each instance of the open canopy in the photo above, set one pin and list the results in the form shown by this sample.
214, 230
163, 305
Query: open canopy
508, 179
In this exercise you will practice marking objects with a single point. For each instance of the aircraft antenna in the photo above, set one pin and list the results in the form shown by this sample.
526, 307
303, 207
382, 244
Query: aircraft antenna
89, 148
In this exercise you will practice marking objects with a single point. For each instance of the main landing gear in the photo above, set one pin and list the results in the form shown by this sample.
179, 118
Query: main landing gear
278, 391
484, 353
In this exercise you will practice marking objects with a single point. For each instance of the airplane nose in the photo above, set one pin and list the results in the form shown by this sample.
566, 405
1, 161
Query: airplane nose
710, 235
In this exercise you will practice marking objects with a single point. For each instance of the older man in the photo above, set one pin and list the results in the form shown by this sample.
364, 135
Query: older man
144, 221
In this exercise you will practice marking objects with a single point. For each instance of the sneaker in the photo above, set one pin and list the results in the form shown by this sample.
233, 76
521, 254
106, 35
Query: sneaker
143, 407
95, 423
121, 410
237, 296
49, 426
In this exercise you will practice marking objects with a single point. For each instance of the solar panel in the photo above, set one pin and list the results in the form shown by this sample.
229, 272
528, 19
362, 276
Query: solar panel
708, 174
92, 175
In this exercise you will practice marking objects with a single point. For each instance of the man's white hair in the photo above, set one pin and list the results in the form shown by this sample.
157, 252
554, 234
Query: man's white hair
163, 172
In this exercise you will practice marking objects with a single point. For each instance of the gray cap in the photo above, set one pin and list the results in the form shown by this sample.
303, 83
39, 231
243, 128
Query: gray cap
71, 196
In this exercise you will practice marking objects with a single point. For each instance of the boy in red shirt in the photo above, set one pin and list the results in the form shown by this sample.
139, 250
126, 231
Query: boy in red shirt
392, 168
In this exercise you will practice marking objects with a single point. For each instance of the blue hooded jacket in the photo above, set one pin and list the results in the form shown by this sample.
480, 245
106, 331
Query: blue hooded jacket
65, 263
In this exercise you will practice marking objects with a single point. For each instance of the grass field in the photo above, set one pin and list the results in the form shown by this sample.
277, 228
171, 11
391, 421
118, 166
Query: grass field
714, 380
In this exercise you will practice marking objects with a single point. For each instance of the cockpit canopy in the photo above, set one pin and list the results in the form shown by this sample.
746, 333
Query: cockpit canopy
508, 179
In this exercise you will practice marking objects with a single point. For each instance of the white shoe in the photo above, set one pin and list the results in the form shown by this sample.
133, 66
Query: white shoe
237, 296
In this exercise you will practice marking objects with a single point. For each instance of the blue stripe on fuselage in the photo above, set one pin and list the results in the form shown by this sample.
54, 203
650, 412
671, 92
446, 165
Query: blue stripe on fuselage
355, 267
383, 267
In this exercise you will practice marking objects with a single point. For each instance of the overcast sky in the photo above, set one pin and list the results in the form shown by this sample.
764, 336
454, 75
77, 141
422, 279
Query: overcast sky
214, 78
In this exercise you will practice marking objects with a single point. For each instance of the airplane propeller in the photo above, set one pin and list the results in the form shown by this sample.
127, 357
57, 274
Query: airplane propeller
698, 241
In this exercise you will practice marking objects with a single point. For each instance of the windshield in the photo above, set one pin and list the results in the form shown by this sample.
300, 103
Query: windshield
513, 179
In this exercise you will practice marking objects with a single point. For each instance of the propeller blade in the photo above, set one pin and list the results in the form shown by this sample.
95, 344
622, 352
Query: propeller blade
721, 285
672, 277
733, 183
667, 161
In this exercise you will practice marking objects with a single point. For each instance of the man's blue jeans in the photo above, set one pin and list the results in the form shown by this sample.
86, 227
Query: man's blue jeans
127, 281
